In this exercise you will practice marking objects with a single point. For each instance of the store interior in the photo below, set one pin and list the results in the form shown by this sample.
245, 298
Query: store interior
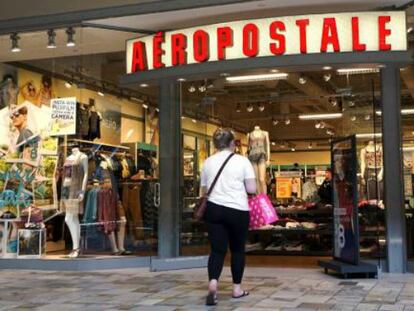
295, 113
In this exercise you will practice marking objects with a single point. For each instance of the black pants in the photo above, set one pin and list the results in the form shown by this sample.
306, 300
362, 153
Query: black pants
226, 227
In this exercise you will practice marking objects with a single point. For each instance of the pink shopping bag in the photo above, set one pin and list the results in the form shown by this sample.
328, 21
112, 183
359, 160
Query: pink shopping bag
262, 211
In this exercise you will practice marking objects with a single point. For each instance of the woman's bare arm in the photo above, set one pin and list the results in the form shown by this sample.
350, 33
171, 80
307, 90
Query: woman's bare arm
250, 185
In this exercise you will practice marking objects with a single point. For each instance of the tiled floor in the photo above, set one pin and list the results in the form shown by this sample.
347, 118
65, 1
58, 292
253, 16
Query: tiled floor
271, 289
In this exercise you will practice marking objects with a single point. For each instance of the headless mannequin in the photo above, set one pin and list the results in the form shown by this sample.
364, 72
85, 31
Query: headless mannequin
259, 156
72, 215
371, 162
117, 243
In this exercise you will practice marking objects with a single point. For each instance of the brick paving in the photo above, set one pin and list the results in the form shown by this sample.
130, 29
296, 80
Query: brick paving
139, 289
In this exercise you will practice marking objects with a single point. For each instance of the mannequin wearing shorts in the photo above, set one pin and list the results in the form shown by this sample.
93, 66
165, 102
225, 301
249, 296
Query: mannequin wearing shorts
75, 178
259, 156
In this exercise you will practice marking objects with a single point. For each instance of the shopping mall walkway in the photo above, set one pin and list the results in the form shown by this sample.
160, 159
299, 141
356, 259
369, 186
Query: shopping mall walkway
271, 289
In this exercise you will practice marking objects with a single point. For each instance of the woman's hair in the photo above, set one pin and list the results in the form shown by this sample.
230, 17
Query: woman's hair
222, 138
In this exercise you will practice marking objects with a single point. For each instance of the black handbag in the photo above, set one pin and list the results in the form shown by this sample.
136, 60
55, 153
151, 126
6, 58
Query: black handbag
201, 205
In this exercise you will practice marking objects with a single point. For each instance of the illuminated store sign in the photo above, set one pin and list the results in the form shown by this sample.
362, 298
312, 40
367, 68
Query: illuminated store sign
307, 34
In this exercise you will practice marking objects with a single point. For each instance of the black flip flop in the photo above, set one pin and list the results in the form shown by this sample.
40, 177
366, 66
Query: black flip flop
245, 293
211, 299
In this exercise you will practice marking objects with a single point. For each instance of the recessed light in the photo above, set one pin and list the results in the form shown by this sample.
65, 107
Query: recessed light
224, 74
143, 85
194, 120
274, 70
68, 84
181, 79
100, 93
326, 67
145, 106
409, 29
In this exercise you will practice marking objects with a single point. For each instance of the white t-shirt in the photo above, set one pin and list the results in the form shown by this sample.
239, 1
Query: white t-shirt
229, 190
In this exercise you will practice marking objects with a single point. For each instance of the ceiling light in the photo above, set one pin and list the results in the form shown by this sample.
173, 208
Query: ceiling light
157, 109
408, 148
202, 88
15, 43
273, 143
194, 120
351, 103
368, 135
282, 145
287, 121
137, 99
238, 107
68, 84
321, 116
261, 107
353, 118
275, 121
143, 85
293, 149
327, 77
326, 67
274, 70
323, 125
71, 41
249, 108
259, 77
51, 35
407, 111
310, 146
367, 117
355, 71
182, 118
224, 74
409, 29
318, 125
330, 132
145, 106
191, 88
302, 80
181, 79
333, 101
100, 93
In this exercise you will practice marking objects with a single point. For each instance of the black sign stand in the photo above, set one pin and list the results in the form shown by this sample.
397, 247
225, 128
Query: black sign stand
346, 259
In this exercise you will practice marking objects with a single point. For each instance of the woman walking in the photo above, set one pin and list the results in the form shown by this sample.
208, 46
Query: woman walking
227, 213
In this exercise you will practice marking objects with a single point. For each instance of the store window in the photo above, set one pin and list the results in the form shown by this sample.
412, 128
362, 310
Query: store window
287, 123
79, 152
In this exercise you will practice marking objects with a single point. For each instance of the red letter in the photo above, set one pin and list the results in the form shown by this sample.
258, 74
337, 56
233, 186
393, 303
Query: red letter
274, 27
178, 49
383, 33
302, 24
250, 40
157, 50
139, 57
329, 35
356, 45
224, 40
201, 45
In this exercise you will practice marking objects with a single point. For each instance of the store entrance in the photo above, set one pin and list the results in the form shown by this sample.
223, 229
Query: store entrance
295, 114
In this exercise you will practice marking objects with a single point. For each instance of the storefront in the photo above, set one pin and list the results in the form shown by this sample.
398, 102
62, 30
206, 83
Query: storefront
134, 149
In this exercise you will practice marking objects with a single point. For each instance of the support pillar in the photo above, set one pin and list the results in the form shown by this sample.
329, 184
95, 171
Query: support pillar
393, 172
170, 169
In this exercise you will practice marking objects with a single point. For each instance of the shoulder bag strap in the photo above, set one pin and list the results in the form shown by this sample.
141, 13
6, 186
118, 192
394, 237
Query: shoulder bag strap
218, 174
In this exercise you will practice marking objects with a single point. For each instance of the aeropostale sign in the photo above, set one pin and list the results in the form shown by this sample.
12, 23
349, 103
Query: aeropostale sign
292, 35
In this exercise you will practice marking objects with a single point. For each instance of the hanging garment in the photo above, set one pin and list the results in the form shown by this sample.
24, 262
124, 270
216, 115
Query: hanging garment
373, 159
131, 200
94, 125
91, 207
309, 191
82, 122
374, 187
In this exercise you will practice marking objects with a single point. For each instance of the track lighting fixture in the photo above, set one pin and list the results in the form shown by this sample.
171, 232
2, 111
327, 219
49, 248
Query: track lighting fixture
327, 77
238, 107
273, 143
100, 93
287, 121
275, 121
68, 84
249, 108
15, 43
202, 88
323, 125
302, 79
191, 88
71, 40
261, 107
293, 149
145, 106
332, 101
318, 125
353, 118
351, 103
310, 146
367, 117
330, 132
51, 35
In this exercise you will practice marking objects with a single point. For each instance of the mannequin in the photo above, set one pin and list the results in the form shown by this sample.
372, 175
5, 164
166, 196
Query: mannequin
75, 178
372, 170
259, 156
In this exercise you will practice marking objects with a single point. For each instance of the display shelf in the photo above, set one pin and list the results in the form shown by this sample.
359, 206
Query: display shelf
289, 253
293, 231
317, 211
